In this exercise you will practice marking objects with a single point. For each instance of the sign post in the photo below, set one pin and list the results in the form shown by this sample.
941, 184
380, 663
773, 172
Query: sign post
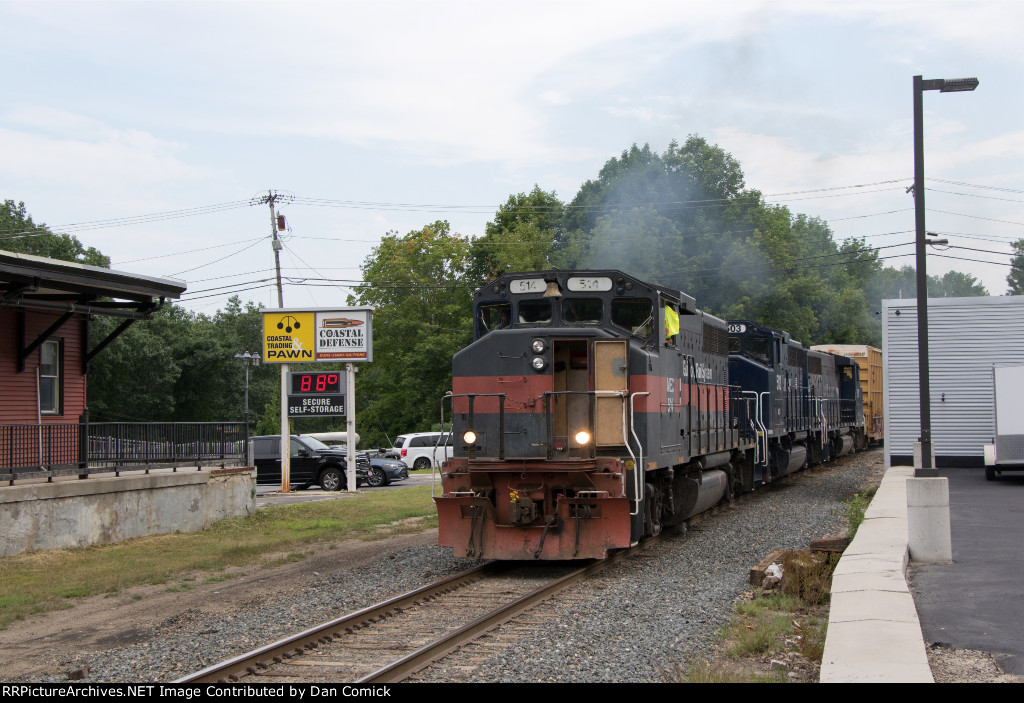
317, 335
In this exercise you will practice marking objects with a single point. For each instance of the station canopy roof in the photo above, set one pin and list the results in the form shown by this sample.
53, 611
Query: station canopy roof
36, 282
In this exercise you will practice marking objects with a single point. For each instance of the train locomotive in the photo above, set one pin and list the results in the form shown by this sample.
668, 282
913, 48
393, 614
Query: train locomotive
593, 409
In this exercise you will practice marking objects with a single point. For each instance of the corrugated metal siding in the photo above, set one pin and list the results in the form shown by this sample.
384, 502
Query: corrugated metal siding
966, 337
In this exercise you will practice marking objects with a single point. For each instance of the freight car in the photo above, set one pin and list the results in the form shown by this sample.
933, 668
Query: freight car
593, 409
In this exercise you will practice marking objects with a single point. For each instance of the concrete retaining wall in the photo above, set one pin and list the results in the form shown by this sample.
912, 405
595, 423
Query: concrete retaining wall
80, 513
874, 635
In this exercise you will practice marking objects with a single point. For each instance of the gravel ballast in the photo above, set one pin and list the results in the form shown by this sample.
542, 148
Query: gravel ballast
632, 624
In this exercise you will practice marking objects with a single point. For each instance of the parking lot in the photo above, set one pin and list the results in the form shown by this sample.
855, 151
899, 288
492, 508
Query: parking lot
272, 495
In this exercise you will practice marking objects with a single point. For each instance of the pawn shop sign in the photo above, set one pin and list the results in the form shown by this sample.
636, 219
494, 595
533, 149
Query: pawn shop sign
309, 335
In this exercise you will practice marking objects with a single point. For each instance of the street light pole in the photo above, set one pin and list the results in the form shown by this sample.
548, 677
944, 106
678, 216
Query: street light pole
945, 86
249, 360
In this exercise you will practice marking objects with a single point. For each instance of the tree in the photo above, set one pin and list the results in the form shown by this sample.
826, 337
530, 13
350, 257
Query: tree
520, 238
180, 366
18, 233
1015, 278
955, 284
422, 317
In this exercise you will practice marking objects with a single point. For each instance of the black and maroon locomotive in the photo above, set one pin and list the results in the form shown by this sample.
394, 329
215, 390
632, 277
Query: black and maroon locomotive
593, 409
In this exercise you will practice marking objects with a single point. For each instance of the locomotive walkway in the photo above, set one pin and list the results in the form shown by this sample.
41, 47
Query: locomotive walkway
880, 623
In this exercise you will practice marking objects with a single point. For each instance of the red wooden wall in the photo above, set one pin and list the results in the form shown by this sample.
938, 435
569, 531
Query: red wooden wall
18, 398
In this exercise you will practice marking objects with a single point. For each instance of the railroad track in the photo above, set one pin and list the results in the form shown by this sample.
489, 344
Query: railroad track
392, 640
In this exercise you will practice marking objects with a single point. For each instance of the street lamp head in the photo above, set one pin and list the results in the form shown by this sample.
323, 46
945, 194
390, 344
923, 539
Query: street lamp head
958, 85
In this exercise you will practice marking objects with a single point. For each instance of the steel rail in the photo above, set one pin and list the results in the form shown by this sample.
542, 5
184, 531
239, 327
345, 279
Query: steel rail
259, 659
428, 654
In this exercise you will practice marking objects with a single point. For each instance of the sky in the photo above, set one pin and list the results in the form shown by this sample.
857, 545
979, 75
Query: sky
150, 130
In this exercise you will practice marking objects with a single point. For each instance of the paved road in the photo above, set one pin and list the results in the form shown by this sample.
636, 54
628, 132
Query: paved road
975, 602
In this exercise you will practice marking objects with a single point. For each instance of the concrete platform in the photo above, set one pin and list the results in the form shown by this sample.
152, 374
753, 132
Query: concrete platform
69, 512
874, 635
886, 609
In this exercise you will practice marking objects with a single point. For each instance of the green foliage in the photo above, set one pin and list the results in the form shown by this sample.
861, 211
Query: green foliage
422, 317
180, 367
1015, 279
855, 508
523, 236
18, 233
683, 219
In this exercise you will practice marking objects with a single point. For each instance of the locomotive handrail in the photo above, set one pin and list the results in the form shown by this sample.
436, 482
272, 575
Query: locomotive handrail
637, 466
759, 424
471, 397
823, 416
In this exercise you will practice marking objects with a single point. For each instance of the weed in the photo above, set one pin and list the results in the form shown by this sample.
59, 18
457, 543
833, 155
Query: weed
855, 507
785, 625
807, 576
218, 578
182, 586
703, 671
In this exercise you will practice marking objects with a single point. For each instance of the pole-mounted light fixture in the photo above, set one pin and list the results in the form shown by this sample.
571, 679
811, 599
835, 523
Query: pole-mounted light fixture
943, 85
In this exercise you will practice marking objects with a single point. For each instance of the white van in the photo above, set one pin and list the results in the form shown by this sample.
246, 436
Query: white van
422, 450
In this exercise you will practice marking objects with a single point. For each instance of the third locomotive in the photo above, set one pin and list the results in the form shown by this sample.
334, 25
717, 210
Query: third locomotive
593, 409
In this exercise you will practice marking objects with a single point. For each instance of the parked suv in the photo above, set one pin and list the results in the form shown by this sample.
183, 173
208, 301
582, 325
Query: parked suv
312, 462
421, 450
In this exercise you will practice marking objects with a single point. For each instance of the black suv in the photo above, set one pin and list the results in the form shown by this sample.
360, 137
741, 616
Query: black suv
312, 462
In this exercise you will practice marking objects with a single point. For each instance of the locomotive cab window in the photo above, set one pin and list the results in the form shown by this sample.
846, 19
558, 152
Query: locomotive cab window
535, 312
493, 316
588, 311
754, 345
635, 315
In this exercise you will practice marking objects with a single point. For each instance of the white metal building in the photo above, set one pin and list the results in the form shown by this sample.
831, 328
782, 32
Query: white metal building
967, 337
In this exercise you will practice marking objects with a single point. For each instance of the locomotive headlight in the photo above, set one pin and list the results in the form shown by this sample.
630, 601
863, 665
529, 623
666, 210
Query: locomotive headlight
538, 363
537, 346
469, 437
582, 437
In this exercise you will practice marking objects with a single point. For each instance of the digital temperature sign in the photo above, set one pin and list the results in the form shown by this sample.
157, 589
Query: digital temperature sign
305, 383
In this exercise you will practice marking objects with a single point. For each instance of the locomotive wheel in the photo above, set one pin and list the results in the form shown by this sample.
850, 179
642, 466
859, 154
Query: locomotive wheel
652, 510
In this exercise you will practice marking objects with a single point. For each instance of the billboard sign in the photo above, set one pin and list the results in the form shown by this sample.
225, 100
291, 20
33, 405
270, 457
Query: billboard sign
317, 335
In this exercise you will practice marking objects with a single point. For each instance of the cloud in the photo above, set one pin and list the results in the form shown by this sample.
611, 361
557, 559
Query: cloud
61, 148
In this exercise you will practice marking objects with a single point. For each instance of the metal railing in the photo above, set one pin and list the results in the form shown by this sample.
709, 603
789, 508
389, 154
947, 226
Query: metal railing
81, 448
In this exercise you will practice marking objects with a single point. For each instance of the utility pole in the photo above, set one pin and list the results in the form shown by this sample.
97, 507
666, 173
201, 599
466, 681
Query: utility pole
271, 198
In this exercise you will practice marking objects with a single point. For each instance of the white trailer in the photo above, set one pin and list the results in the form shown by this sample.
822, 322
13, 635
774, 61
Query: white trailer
1007, 453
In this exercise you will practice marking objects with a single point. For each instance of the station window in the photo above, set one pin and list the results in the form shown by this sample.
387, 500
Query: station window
50, 367
535, 312
582, 310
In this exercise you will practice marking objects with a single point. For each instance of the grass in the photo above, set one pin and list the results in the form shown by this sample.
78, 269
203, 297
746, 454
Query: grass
855, 507
787, 624
52, 580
